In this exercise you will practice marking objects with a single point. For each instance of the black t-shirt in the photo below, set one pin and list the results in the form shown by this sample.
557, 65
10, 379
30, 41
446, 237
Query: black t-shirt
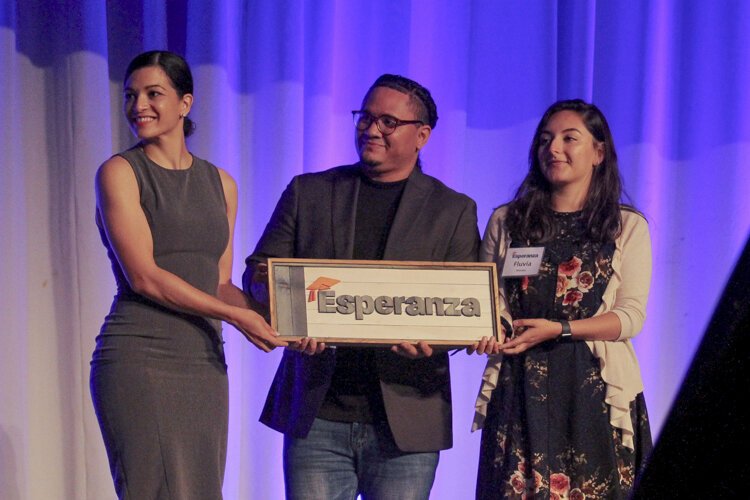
354, 395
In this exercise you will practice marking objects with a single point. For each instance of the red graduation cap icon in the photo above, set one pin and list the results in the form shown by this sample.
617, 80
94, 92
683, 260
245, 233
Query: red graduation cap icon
321, 283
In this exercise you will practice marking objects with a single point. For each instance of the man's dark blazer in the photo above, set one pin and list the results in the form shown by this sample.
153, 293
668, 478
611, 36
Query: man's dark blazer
315, 219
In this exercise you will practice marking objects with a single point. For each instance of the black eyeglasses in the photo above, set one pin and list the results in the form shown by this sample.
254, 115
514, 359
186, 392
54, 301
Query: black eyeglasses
385, 123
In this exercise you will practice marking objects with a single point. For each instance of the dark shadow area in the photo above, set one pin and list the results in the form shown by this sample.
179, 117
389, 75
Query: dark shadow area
8, 468
126, 32
700, 451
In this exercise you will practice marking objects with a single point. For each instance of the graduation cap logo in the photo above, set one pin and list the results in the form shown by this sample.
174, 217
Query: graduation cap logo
321, 283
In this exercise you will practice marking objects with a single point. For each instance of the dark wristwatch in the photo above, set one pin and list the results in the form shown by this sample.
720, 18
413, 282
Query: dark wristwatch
566, 335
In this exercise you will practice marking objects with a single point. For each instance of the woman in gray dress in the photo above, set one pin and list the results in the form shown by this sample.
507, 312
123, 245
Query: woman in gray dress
158, 375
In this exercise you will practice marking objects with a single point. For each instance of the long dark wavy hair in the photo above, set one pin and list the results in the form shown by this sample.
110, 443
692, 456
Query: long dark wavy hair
530, 215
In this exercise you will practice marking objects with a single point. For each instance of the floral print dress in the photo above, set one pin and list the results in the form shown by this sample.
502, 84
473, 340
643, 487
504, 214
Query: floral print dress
547, 433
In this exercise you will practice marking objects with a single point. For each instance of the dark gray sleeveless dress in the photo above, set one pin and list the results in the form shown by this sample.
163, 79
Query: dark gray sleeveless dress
158, 377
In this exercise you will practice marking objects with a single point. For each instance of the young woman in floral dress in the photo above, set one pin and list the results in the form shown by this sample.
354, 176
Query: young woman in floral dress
561, 405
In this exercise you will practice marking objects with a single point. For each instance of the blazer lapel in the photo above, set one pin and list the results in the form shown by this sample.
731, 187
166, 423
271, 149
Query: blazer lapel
344, 212
413, 202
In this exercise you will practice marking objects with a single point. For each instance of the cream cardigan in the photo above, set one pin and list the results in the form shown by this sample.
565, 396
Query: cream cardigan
625, 295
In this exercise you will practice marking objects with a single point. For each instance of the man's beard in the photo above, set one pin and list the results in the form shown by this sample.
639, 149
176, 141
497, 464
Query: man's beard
369, 162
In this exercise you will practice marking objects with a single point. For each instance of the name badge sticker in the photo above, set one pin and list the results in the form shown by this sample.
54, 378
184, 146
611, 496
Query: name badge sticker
522, 261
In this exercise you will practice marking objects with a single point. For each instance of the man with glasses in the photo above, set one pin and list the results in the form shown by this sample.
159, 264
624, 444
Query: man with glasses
357, 419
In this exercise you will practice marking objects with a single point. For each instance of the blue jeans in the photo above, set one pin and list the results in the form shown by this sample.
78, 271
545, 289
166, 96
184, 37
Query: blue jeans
339, 460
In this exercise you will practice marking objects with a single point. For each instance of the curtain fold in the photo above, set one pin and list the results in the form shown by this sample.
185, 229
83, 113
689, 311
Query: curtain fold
275, 82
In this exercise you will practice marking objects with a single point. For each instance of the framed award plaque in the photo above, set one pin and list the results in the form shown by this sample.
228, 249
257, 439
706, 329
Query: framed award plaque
383, 302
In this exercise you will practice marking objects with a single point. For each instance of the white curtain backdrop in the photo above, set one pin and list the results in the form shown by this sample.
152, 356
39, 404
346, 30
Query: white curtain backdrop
275, 83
